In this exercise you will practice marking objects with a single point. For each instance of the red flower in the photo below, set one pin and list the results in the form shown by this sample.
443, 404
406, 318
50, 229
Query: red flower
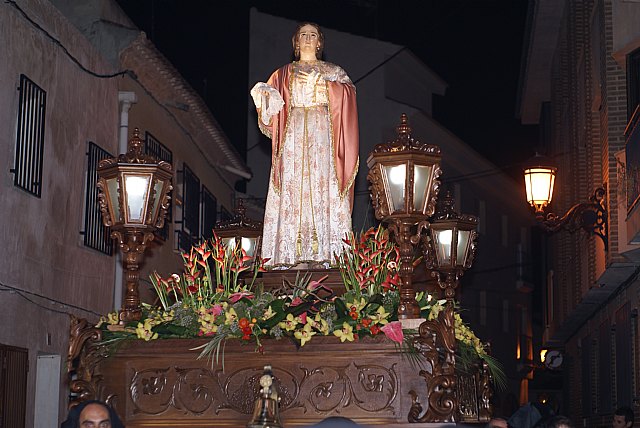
246, 331
375, 329
202, 248
243, 323
366, 322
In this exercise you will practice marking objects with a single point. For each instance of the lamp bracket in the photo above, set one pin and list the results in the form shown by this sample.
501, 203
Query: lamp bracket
590, 216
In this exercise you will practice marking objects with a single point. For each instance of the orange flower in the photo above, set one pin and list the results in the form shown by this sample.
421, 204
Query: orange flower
243, 323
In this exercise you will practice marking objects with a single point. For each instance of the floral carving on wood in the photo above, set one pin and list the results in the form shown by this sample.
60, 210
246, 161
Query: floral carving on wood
327, 389
241, 388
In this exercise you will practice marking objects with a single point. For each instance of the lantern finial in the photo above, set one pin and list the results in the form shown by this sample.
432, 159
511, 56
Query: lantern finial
403, 129
135, 144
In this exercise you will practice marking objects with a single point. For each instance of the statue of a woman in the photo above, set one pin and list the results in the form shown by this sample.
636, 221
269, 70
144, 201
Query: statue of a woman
308, 109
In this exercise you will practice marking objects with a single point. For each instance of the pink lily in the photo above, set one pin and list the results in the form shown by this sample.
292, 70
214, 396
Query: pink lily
393, 331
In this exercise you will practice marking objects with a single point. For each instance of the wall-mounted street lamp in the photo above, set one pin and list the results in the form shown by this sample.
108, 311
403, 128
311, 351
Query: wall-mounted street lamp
134, 196
539, 178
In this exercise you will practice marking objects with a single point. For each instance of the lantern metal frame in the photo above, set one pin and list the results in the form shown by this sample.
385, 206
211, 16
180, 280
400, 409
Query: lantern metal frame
590, 216
133, 236
404, 150
240, 227
448, 275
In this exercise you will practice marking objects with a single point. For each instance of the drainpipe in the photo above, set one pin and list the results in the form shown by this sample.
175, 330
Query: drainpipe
125, 99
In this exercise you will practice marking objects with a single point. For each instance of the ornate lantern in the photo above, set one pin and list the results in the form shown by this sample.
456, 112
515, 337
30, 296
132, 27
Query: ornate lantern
241, 232
134, 196
404, 187
451, 245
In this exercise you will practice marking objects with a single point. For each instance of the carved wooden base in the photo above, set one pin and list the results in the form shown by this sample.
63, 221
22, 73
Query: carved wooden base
161, 383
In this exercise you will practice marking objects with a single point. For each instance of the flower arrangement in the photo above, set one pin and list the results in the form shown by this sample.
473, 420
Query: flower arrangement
217, 297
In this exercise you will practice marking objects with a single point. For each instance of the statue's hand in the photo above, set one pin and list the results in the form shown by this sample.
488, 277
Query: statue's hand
310, 78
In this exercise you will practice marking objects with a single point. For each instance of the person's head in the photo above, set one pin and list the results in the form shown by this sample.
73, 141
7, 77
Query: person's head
557, 421
95, 415
497, 423
623, 418
308, 38
92, 414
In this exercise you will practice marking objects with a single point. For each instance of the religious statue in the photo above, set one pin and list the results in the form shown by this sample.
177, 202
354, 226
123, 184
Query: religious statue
308, 109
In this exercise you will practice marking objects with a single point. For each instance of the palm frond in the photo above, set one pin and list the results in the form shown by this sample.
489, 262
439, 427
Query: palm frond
411, 354
213, 350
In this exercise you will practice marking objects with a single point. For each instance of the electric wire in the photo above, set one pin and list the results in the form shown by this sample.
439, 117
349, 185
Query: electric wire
64, 49
24, 293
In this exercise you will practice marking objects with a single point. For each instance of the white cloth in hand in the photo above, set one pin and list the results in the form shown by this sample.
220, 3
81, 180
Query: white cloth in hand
267, 99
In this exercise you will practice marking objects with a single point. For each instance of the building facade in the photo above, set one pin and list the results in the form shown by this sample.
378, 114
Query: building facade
76, 78
579, 84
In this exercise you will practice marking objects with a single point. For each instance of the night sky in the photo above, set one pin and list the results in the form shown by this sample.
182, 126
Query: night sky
473, 45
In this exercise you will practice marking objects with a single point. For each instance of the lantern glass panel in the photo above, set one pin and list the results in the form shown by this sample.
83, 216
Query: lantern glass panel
421, 179
247, 244
442, 240
539, 183
463, 244
113, 188
396, 179
136, 189
157, 189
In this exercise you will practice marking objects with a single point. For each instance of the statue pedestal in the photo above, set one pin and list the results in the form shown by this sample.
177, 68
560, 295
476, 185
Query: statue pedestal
161, 383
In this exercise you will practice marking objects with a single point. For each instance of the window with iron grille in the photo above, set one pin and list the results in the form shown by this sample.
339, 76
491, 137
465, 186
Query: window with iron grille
95, 235
155, 148
224, 214
624, 339
30, 137
209, 213
588, 384
604, 369
633, 82
190, 230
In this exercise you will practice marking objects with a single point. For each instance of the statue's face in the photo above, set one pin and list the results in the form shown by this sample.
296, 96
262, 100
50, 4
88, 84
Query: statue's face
308, 39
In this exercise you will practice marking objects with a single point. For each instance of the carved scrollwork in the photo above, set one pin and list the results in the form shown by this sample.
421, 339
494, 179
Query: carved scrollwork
241, 388
151, 391
103, 203
195, 390
467, 398
369, 387
376, 189
83, 357
436, 342
485, 389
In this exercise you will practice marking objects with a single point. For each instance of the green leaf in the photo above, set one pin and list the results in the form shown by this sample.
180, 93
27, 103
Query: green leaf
274, 320
170, 329
375, 301
341, 308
